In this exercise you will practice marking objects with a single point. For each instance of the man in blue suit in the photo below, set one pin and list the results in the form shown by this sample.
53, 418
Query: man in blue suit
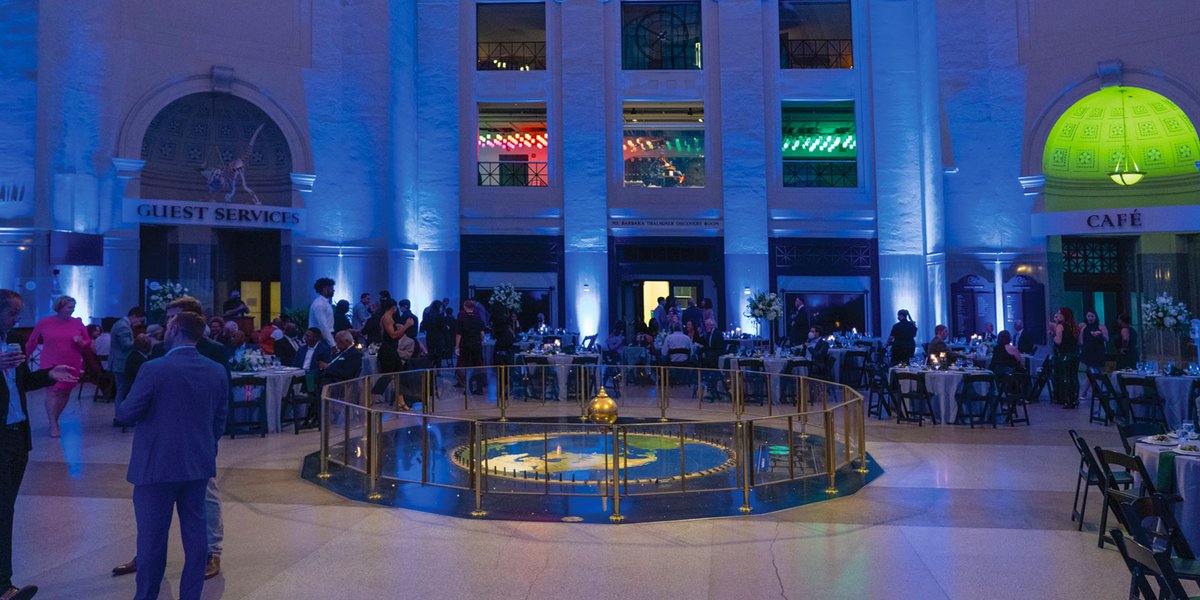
178, 404
312, 352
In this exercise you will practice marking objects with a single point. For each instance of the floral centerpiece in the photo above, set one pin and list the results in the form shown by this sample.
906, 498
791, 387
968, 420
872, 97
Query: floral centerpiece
765, 306
161, 294
1164, 312
249, 360
1169, 320
507, 297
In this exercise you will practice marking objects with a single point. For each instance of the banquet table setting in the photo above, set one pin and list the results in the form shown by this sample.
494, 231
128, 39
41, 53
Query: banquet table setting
943, 384
772, 364
562, 365
1175, 390
1175, 465
278, 379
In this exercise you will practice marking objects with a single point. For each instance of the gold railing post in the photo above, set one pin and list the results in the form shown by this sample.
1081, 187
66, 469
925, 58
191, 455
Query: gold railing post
742, 447
502, 391
616, 516
862, 436
830, 449
477, 460
374, 425
324, 473
846, 449
424, 449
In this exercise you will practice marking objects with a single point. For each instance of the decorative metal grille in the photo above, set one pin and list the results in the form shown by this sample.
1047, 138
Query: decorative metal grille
660, 35
512, 174
1091, 257
823, 256
820, 173
512, 56
816, 54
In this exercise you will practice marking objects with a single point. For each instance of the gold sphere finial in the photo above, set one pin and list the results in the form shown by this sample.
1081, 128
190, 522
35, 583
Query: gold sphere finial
602, 409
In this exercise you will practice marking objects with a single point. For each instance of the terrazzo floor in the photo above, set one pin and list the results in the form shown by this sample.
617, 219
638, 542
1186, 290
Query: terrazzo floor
958, 513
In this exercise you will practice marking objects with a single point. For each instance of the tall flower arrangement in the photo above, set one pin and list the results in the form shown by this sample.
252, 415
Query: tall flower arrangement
1165, 313
507, 297
161, 296
765, 306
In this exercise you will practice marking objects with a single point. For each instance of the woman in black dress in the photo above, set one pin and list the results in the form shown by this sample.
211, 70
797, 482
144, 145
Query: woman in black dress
903, 338
389, 347
1006, 360
1126, 343
1063, 334
1092, 338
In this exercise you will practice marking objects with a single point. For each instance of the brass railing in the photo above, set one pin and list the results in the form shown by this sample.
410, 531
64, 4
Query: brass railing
773, 428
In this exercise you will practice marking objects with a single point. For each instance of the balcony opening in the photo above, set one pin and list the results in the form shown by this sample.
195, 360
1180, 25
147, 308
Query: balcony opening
663, 144
513, 145
820, 145
815, 34
511, 36
660, 36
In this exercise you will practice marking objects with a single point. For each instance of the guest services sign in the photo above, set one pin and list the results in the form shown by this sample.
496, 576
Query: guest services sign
215, 214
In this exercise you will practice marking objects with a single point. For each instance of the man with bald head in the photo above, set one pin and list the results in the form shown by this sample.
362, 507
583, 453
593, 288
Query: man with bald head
346, 362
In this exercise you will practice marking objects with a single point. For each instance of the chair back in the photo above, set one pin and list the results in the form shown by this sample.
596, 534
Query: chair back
678, 351
1165, 534
918, 379
1130, 431
536, 360
1132, 464
750, 364
1143, 384
589, 342
247, 381
589, 361
1113, 405
972, 380
1142, 561
792, 367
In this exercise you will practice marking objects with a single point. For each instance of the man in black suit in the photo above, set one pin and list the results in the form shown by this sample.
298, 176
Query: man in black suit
799, 323
1023, 342
695, 315
286, 346
346, 363
15, 438
142, 347
937, 347
713, 343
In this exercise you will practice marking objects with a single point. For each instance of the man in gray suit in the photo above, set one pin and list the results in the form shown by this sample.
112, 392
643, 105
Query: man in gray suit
178, 403
122, 347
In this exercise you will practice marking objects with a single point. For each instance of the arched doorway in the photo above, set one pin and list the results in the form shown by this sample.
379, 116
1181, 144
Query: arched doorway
1119, 202
225, 151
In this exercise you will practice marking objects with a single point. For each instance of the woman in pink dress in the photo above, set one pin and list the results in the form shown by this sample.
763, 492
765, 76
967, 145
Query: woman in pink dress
63, 339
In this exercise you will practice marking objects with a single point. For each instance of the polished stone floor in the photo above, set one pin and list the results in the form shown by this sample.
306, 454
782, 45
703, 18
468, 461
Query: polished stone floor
958, 513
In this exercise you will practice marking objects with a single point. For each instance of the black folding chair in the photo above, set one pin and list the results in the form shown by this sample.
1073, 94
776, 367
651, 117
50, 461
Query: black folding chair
974, 406
1140, 392
1130, 432
879, 393
914, 404
1010, 405
542, 380
1113, 406
754, 380
298, 397
1116, 491
1043, 380
1091, 475
1163, 535
247, 394
1142, 561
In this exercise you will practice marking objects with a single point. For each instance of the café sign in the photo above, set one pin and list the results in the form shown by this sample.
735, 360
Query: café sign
214, 214
1149, 219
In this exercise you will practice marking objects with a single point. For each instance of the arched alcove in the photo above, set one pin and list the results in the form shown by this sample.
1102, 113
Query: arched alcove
209, 130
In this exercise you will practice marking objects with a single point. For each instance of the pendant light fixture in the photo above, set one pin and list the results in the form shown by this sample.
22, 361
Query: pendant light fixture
1126, 171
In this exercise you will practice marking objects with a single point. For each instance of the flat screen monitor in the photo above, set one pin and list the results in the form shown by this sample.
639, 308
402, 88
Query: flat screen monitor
70, 248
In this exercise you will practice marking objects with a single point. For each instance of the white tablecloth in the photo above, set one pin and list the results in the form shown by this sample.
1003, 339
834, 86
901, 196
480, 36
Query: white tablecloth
562, 367
277, 386
1175, 392
1187, 484
944, 386
772, 364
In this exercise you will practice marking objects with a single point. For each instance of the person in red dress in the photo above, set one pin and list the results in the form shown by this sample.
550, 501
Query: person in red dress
63, 339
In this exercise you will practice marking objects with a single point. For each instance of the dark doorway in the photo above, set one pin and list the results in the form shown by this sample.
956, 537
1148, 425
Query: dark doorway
1098, 274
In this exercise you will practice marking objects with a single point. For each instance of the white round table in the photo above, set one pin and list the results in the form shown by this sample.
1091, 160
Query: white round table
278, 380
772, 364
562, 366
944, 386
1187, 485
1175, 392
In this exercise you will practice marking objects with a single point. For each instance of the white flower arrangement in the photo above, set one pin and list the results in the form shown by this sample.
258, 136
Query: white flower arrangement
507, 296
165, 292
249, 360
764, 305
1164, 312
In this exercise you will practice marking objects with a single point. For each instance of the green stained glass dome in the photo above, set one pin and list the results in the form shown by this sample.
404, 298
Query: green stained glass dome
1089, 138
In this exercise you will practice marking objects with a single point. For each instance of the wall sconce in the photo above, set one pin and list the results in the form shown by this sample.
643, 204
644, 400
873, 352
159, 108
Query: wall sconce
746, 291
587, 288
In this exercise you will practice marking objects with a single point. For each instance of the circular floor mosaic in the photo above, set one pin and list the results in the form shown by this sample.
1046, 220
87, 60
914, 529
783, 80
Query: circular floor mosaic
583, 458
